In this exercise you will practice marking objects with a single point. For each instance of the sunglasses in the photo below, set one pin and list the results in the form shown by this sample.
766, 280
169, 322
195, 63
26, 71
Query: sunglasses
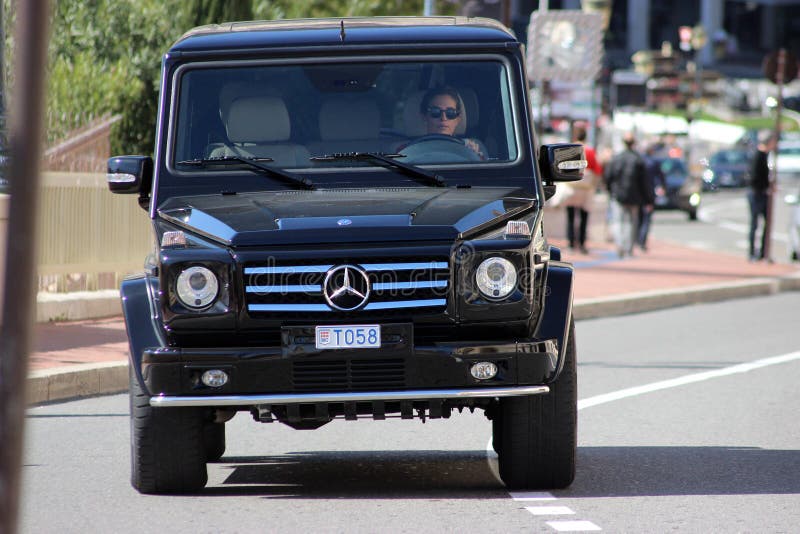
435, 112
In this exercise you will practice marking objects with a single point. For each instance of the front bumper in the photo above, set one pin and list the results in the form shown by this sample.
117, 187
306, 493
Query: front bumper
297, 372
371, 396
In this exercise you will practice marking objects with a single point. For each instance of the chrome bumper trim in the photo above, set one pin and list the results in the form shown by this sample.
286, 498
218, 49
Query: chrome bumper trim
360, 396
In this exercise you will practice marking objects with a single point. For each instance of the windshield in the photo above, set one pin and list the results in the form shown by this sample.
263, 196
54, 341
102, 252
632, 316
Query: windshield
673, 166
789, 150
447, 112
729, 157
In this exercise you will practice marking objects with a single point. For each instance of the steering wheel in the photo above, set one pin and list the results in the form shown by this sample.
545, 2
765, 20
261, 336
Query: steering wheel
438, 148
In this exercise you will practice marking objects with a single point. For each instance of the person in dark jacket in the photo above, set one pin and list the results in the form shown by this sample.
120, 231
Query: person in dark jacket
626, 179
655, 181
757, 195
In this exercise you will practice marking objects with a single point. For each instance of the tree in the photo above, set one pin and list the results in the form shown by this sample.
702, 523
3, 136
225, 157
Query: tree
105, 55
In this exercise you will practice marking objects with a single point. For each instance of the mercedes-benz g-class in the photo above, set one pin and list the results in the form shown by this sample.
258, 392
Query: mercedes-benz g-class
348, 223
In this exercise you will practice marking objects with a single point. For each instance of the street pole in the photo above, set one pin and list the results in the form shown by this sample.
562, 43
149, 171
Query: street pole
18, 306
773, 173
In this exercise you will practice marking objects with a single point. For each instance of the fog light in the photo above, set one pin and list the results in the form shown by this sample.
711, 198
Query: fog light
483, 370
214, 378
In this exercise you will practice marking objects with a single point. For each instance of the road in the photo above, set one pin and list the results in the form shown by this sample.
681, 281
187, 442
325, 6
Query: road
725, 221
675, 434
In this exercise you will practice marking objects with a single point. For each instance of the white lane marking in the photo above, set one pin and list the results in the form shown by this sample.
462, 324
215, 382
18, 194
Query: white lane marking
688, 379
586, 526
708, 215
532, 496
741, 228
574, 526
550, 510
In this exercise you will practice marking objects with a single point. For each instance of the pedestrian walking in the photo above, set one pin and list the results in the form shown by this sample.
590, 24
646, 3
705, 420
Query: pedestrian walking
580, 196
757, 195
626, 180
655, 180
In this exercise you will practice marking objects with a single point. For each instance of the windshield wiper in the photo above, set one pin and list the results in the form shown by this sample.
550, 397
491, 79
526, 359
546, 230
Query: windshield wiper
254, 163
421, 175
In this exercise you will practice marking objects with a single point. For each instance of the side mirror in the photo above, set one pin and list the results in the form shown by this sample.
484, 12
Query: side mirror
130, 174
562, 162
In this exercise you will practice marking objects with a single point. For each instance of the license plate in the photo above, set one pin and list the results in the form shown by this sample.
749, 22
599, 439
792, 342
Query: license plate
360, 336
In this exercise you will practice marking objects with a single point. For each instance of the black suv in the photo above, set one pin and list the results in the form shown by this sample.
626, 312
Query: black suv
348, 224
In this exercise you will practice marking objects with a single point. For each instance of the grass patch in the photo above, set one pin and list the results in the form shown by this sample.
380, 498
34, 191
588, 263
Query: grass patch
788, 124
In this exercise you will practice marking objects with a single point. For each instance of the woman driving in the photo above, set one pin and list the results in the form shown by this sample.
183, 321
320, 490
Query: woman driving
442, 110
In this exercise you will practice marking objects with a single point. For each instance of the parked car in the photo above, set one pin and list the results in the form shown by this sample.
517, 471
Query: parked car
679, 190
727, 168
788, 159
4, 184
325, 252
794, 226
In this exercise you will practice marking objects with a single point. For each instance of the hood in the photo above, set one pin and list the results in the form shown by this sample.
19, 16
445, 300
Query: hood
346, 215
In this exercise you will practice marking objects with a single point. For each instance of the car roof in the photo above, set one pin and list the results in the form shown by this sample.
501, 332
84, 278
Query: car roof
339, 31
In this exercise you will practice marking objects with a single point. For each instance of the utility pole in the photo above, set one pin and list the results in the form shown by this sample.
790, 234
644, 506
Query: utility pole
18, 306
773, 173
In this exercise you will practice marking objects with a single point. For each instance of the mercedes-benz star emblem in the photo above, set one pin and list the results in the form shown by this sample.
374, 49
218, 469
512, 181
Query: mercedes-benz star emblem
346, 287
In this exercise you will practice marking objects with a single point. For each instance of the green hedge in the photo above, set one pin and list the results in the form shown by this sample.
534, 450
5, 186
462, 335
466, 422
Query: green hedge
105, 55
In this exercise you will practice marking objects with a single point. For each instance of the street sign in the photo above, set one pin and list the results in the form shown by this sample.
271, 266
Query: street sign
565, 45
771, 62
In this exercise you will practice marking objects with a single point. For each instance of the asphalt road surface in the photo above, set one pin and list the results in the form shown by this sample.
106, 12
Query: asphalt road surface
724, 222
688, 423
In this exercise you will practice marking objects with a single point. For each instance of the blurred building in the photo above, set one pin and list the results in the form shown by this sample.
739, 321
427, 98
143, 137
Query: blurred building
739, 32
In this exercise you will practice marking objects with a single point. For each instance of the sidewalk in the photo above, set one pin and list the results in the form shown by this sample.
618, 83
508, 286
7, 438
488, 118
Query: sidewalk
81, 358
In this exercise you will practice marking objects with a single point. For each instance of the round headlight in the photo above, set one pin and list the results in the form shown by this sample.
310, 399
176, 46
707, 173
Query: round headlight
496, 278
197, 287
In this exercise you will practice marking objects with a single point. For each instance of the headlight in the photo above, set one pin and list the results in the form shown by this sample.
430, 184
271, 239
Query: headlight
197, 287
496, 278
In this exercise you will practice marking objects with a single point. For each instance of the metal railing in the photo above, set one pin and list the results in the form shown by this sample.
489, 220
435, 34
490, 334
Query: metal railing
89, 239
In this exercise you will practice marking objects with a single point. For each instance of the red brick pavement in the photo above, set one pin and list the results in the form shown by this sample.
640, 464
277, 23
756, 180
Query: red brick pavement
663, 266
598, 274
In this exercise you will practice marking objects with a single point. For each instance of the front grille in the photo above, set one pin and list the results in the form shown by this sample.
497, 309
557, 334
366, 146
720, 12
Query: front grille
396, 287
349, 375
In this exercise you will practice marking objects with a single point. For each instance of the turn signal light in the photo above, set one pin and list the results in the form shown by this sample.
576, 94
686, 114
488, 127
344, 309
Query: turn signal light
174, 238
517, 229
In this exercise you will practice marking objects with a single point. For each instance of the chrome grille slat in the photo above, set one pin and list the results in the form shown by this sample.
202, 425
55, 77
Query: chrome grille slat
396, 286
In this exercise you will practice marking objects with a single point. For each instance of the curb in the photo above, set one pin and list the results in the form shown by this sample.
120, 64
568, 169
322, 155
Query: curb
662, 299
77, 305
75, 381
85, 380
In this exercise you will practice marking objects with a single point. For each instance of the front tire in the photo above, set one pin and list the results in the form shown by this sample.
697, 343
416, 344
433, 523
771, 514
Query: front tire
167, 449
214, 441
538, 433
